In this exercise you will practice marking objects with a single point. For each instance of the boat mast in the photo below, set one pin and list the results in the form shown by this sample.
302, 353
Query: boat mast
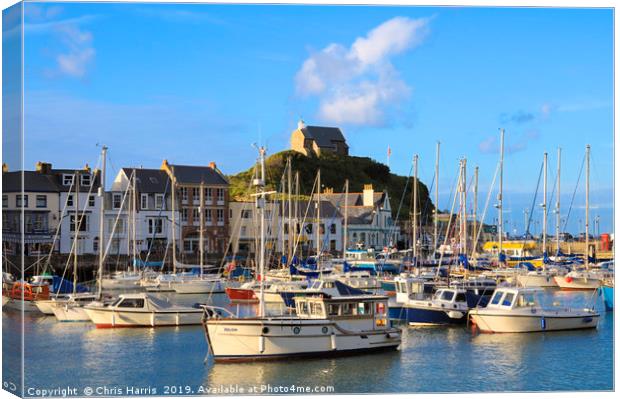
318, 216
76, 230
295, 231
201, 212
345, 241
587, 260
260, 205
475, 213
101, 193
134, 201
500, 217
289, 183
174, 224
436, 219
558, 219
465, 206
414, 223
544, 207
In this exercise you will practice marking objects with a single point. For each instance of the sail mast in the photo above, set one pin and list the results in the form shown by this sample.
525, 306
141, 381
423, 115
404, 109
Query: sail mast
76, 229
134, 202
289, 183
318, 216
544, 207
174, 224
345, 241
465, 206
500, 210
261, 210
436, 219
201, 212
475, 213
558, 219
101, 193
587, 260
414, 224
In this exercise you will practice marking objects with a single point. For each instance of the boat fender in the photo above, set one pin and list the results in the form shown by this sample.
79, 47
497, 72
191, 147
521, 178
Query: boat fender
455, 315
568, 279
261, 344
543, 323
333, 341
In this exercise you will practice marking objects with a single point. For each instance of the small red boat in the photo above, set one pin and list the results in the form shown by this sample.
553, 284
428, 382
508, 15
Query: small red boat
244, 293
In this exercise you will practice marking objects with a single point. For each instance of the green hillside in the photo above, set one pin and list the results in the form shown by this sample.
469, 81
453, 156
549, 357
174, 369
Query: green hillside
334, 170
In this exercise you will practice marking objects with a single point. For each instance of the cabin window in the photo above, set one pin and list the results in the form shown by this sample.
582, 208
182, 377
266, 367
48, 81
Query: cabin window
508, 299
333, 309
496, 298
316, 309
329, 284
303, 308
346, 309
132, 303
460, 297
447, 295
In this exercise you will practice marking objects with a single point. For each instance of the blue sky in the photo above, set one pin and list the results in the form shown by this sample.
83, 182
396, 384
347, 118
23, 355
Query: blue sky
200, 83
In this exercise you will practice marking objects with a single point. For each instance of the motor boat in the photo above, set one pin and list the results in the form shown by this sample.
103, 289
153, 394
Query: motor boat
516, 310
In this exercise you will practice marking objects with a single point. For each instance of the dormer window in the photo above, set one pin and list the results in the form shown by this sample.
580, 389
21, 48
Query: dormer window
85, 180
67, 180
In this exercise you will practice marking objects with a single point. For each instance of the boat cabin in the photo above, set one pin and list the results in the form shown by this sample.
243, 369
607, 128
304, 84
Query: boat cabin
409, 287
364, 311
139, 302
511, 298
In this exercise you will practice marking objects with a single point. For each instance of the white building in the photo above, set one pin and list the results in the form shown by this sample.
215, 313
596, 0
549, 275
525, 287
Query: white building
152, 217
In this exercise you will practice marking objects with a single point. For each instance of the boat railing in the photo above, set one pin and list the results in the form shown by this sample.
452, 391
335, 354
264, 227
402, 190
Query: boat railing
216, 312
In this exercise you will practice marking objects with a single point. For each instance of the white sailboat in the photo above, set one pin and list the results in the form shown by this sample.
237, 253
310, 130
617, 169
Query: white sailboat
323, 326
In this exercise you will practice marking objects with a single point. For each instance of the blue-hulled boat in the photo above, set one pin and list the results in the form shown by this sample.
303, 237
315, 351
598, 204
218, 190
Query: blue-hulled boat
607, 292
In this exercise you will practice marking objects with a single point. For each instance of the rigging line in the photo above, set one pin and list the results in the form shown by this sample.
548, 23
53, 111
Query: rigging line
574, 193
486, 205
529, 220
445, 240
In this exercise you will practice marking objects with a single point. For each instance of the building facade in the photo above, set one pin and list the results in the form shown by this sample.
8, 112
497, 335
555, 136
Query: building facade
314, 140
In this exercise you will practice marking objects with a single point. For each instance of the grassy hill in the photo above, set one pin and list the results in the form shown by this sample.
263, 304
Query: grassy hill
334, 170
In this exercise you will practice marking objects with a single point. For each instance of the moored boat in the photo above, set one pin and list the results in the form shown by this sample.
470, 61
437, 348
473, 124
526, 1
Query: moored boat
141, 310
516, 310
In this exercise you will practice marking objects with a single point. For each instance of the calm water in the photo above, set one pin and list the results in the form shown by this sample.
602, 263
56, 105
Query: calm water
434, 359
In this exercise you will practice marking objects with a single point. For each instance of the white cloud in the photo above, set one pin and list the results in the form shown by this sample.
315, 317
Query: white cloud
354, 85
80, 52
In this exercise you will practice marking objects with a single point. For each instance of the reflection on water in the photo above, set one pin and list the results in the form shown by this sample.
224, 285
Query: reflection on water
431, 359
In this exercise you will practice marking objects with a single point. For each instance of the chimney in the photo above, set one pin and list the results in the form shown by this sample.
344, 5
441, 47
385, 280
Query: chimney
368, 195
212, 165
5, 167
43, 167
301, 124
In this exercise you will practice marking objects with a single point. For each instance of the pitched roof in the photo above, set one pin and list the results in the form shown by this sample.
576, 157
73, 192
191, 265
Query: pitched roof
353, 199
33, 182
150, 180
198, 174
58, 173
323, 136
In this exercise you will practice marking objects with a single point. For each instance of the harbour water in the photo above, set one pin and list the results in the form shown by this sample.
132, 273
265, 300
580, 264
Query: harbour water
431, 359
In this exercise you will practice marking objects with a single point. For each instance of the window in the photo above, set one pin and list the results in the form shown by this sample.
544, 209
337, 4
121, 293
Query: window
184, 214
67, 180
508, 299
183, 194
447, 296
496, 298
156, 225
83, 225
116, 201
303, 308
132, 303
91, 200
244, 231
96, 244
196, 194
333, 309
195, 216
41, 201
246, 214
22, 201
120, 226
70, 200
209, 215
316, 309
220, 216
460, 297
220, 194
85, 180
5, 201
159, 201
332, 228
144, 201
332, 245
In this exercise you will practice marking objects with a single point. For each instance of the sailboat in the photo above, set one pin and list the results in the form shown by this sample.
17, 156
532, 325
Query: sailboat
586, 279
323, 326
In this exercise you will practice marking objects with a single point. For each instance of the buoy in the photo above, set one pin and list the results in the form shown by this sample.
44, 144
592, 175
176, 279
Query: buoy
568, 279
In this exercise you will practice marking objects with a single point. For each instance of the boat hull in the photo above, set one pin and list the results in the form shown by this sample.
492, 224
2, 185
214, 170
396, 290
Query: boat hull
119, 284
536, 280
244, 340
532, 323
70, 313
198, 287
241, 295
426, 317
607, 293
46, 306
108, 318
577, 283
18, 304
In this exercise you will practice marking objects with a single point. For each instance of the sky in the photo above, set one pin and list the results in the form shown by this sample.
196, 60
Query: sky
197, 83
